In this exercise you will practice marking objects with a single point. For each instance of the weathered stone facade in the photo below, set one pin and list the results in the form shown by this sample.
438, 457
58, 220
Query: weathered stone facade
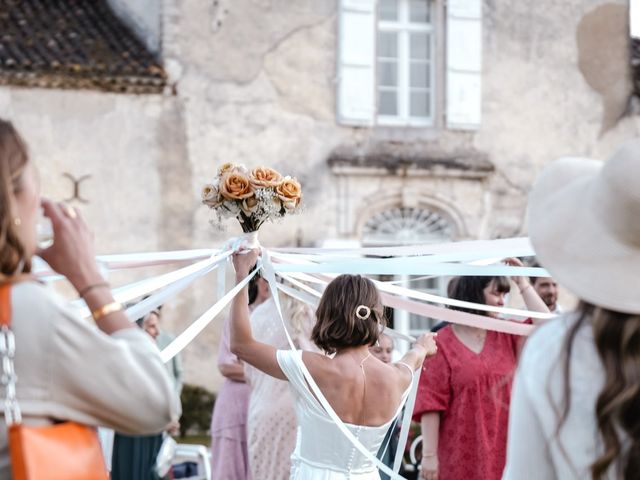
253, 81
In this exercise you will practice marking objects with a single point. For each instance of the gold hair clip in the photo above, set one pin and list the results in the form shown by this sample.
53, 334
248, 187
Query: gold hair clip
365, 315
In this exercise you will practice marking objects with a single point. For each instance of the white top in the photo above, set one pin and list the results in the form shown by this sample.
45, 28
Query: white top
69, 370
534, 450
322, 451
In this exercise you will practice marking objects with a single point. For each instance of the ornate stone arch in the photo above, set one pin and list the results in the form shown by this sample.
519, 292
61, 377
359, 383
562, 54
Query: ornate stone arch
392, 219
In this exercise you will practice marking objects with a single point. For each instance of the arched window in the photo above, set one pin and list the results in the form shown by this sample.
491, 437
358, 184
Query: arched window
406, 226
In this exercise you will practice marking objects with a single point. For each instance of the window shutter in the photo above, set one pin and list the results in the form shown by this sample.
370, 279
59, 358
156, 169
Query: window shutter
464, 64
356, 56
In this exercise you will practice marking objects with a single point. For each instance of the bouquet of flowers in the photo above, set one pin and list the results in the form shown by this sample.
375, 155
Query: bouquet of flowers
253, 197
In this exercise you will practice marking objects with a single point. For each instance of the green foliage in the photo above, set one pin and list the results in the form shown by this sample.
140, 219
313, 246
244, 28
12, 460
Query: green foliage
197, 405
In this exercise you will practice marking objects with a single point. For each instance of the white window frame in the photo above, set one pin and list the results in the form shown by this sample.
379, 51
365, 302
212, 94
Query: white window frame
403, 27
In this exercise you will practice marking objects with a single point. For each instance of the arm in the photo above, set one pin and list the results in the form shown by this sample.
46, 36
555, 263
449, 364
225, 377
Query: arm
117, 381
531, 298
424, 347
242, 343
233, 371
72, 255
430, 426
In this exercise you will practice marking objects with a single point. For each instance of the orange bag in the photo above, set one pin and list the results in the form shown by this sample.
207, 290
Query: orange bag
65, 451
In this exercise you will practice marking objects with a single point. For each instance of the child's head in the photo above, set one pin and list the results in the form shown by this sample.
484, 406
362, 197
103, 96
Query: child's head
383, 349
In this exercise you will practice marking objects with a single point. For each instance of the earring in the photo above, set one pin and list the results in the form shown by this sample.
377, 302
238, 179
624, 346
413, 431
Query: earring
16, 221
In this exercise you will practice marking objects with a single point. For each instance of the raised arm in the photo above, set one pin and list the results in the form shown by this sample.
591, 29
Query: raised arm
424, 347
242, 343
531, 298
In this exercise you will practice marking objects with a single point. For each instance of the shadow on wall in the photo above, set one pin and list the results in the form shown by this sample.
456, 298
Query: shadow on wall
604, 59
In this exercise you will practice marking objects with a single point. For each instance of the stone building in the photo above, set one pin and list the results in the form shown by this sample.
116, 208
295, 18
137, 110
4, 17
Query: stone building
406, 120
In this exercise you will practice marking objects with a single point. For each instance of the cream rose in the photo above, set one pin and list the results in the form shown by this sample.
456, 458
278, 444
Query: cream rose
265, 177
210, 195
249, 205
235, 186
226, 167
289, 192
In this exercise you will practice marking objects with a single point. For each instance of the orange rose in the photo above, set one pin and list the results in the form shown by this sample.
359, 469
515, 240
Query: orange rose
265, 177
235, 186
290, 192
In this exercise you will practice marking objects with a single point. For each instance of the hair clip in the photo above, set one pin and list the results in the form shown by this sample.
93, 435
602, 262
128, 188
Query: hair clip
365, 315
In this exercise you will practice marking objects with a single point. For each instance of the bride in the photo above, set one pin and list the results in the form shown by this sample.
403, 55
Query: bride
365, 393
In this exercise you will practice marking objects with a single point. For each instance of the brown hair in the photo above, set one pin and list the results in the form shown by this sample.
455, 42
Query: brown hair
337, 325
13, 161
617, 341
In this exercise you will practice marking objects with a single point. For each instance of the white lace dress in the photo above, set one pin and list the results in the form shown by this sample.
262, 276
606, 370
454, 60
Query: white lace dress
322, 451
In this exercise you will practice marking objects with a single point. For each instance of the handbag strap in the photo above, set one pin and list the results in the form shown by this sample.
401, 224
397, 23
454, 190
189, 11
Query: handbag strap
8, 377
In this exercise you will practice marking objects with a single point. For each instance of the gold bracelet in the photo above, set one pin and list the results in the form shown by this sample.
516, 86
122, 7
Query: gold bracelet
105, 310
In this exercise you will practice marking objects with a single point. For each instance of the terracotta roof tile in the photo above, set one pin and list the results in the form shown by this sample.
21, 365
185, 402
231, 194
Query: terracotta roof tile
76, 44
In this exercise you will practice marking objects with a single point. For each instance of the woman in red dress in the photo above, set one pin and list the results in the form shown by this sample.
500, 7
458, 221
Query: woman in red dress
464, 393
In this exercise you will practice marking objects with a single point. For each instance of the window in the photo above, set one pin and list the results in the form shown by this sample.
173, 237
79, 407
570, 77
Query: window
395, 66
405, 57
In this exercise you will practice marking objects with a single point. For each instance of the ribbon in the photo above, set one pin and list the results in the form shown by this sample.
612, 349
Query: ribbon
406, 292
205, 319
138, 289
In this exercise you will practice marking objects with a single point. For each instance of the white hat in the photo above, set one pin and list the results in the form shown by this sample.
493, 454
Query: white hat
584, 224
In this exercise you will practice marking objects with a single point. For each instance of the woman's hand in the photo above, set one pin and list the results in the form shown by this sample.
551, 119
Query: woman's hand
428, 342
72, 253
522, 282
244, 262
429, 466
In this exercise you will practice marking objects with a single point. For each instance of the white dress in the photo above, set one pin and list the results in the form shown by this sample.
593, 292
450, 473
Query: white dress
271, 424
322, 451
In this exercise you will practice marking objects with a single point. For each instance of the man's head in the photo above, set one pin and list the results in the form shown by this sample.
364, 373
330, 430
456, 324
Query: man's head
151, 324
547, 288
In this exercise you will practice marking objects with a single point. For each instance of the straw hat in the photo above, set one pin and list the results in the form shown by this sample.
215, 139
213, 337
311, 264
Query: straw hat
584, 224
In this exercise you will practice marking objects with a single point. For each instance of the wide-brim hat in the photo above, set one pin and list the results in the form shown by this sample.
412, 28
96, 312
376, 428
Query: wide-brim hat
584, 225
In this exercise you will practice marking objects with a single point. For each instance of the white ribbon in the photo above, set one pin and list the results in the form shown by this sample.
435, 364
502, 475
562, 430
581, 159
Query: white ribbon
193, 330
428, 297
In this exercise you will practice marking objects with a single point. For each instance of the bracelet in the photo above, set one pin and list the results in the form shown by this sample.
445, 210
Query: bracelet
105, 310
428, 455
86, 290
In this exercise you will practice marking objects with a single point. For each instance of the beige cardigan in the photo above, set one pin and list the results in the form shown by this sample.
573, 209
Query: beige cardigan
69, 370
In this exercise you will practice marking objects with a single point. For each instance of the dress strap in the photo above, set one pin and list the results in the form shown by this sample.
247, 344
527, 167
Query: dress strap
364, 389
408, 367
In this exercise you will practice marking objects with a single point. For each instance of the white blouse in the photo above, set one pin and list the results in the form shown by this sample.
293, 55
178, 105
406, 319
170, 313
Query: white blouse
534, 450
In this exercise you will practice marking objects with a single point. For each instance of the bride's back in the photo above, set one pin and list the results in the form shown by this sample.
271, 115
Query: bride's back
370, 398
360, 388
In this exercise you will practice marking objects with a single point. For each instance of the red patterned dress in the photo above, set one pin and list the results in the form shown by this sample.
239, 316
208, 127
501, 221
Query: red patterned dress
472, 393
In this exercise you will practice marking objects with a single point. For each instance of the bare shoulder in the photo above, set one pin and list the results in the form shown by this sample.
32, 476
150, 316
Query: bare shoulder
403, 373
316, 361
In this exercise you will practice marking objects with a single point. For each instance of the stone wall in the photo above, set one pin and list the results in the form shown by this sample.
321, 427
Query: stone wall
254, 82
